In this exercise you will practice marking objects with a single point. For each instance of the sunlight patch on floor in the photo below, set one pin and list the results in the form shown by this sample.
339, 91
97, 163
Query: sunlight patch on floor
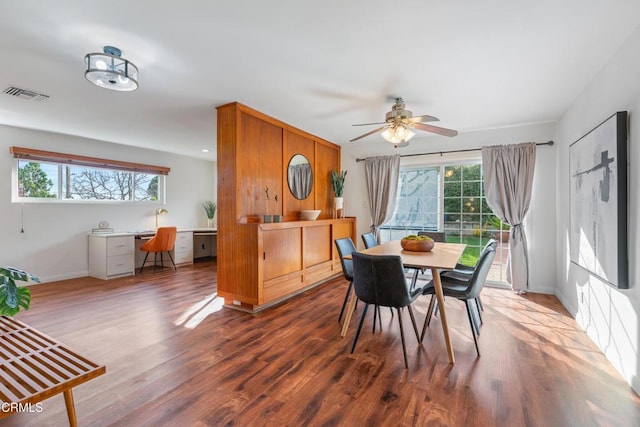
199, 311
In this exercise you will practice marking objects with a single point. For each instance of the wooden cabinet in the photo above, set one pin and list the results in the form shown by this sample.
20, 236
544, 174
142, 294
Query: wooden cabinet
110, 256
289, 258
260, 264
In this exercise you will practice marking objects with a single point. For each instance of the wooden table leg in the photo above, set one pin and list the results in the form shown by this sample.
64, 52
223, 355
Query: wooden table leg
437, 284
351, 307
71, 410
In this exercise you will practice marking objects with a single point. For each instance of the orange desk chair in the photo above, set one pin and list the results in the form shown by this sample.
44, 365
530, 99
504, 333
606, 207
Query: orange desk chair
163, 241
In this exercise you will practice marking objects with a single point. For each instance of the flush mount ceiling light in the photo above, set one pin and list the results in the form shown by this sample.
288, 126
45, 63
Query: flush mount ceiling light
110, 71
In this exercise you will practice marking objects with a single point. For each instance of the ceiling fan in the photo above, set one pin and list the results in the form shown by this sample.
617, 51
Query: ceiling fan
398, 124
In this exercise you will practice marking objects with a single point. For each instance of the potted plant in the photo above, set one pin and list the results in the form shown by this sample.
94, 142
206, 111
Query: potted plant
14, 297
501, 228
337, 179
210, 209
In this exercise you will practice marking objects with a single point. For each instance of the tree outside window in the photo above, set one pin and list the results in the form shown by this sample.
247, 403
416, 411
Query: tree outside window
33, 181
36, 180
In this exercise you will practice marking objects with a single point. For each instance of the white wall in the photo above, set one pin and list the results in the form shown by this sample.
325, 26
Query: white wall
609, 316
540, 221
54, 245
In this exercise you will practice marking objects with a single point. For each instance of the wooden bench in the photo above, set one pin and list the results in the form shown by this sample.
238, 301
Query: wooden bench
34, 367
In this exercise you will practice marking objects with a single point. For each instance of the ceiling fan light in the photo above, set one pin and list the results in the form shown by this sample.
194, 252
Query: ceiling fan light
397, 134
389, 135
410, 135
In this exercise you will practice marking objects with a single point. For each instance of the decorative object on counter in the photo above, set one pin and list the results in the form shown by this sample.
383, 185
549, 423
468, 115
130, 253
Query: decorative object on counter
210, 209
103, 227
309, 214
14, 297
276, 217
160, 211
337, 179
267, 216
102, 230
415, 243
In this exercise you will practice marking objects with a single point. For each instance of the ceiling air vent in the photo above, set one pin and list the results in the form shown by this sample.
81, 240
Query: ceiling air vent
26, 94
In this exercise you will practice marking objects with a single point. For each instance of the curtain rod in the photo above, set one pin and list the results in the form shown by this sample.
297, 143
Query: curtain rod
451, 151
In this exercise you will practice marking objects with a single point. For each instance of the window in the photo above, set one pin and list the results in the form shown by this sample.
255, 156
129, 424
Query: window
417, 205
449, 197
40, 177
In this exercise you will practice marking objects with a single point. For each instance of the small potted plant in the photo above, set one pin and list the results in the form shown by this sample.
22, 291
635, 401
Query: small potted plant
210, 209
13, 298
337, 179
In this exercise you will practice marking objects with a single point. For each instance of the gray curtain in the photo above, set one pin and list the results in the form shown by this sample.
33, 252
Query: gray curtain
508, 177
382, 175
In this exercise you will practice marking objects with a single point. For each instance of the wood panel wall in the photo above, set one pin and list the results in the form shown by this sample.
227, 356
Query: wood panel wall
295, 143
259, 166
326, 160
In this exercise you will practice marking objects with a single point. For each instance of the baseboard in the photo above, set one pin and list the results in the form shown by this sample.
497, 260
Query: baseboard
57, 277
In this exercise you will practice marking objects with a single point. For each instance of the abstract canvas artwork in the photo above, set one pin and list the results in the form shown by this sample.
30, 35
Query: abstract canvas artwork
598, 197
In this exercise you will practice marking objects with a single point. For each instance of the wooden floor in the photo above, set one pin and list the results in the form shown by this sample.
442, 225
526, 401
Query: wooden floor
174, 357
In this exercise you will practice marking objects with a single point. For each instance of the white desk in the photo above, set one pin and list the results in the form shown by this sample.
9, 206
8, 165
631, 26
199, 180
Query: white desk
117, 254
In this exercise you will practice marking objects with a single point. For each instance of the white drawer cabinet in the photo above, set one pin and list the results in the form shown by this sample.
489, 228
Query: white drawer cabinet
183, 251
111, 256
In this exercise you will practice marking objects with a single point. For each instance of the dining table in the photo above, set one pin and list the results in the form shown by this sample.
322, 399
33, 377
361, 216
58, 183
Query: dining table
443, 256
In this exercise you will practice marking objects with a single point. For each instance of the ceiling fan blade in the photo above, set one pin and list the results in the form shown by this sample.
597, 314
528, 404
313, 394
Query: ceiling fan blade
435, 129
369, 124
425, 118
402, 144
367, 134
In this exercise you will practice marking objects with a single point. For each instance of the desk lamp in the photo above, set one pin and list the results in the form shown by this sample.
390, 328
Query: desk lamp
160, 211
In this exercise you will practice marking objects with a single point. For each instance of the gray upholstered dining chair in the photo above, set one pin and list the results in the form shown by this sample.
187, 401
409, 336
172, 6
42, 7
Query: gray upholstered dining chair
464, 290
464, 272
437, 236
380, 280
369, 240
345, 247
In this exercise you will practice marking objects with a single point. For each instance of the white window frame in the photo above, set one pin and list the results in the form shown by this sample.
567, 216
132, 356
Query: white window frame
15, 197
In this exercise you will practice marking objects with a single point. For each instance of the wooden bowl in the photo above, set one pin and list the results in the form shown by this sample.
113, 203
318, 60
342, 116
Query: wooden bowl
417, 245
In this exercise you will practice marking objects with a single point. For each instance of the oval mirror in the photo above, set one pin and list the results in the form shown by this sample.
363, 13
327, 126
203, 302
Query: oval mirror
300, 177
